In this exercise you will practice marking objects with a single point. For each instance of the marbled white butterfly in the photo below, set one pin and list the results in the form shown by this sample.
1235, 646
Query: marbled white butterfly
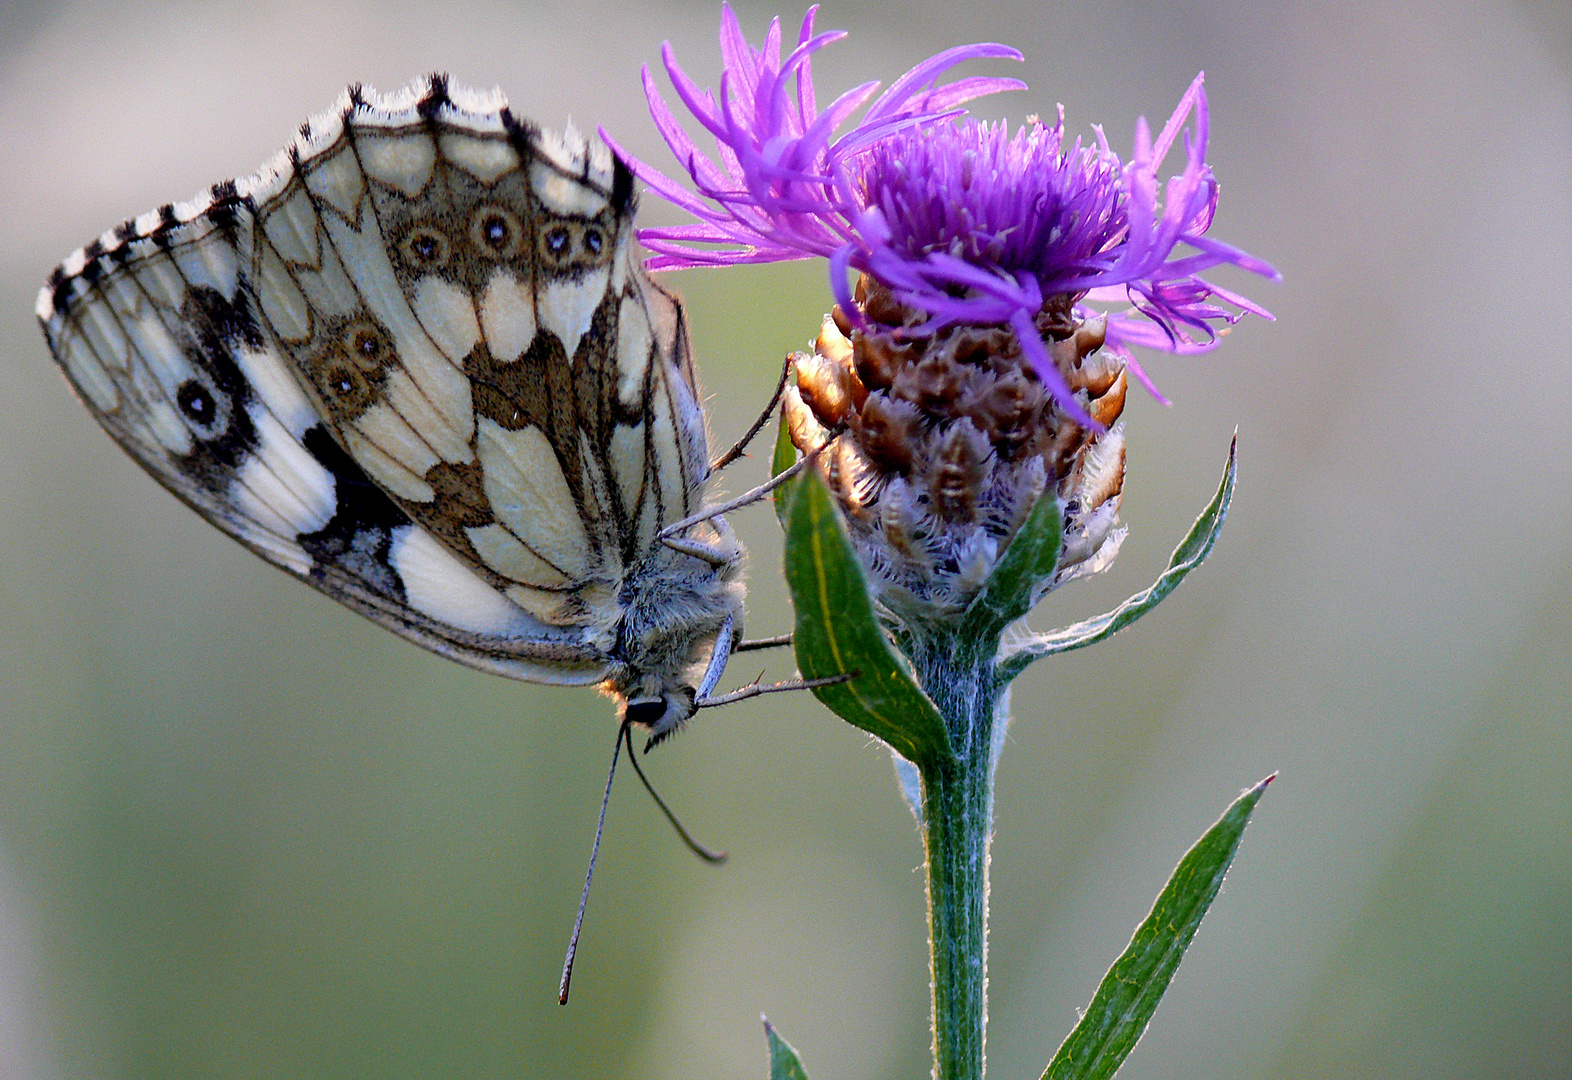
416, 362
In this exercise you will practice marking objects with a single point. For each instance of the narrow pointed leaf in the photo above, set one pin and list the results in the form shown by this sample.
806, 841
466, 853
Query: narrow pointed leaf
1029, 561
1124, 1003
784, 1063
785, 457
837, 631
1190, 553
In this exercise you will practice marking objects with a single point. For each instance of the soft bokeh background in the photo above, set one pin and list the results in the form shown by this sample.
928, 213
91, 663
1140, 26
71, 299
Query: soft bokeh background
244, 832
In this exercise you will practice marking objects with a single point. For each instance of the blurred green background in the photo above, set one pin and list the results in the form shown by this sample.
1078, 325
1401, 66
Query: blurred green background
245, 833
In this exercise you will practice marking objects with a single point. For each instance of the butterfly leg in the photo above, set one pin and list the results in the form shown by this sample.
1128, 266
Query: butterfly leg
758, 425
725, 642
713, 554
724, 647
763, 643
670, 532
756, 689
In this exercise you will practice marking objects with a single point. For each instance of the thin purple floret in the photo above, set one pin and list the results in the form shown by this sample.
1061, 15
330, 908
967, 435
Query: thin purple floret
963, 220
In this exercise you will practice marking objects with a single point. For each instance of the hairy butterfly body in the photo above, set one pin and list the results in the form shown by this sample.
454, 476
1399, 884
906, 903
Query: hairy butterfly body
416, 362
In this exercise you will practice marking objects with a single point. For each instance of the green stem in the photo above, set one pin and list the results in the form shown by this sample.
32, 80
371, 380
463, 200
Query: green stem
958, 825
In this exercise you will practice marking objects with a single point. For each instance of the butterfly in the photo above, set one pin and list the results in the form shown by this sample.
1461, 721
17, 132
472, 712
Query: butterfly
416, 362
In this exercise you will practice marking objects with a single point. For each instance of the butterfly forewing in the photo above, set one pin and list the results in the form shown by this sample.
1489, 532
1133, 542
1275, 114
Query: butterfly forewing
416, 362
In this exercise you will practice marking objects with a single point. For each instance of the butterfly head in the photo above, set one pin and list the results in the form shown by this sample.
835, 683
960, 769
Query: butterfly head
662, 713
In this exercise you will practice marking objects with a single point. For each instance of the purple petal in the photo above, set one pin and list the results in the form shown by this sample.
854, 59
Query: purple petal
1037, 354
895, 99
964, 221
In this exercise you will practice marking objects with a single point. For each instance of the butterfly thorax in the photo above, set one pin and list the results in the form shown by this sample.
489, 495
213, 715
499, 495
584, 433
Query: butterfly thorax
678, 610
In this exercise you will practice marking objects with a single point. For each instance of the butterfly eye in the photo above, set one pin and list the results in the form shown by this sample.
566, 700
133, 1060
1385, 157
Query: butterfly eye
646, 712
425, 249
495, 231
593, 241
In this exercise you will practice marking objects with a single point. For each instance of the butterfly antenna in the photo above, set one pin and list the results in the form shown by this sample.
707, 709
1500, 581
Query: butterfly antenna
600, 827
624, 735
715, 858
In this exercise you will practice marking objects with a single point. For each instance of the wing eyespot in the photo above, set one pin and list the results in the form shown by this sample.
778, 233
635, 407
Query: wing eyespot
366, 342
557, 245
425, 249
350, 391
197, 404
351, 371
573, 245
204, 408
495, 231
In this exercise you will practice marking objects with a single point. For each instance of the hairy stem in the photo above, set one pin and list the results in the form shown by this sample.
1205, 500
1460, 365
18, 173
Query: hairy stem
958, 825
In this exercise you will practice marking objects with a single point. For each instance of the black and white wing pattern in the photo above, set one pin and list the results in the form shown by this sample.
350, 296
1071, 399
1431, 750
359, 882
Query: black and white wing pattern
416, 362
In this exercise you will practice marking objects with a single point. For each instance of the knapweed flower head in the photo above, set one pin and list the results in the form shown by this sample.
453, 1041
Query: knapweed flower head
962, 221
971, 368
937, 451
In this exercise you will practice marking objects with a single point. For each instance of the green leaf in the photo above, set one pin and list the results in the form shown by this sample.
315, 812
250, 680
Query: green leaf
784, 458
837, 631
784, 1063
1118, 1014
1030, 560
1192, 550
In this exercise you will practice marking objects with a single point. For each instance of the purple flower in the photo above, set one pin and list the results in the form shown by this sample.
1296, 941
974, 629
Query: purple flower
960, 220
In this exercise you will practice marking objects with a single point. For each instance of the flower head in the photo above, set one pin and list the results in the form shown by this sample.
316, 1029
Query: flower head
967, 374
961, 222
937, 452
